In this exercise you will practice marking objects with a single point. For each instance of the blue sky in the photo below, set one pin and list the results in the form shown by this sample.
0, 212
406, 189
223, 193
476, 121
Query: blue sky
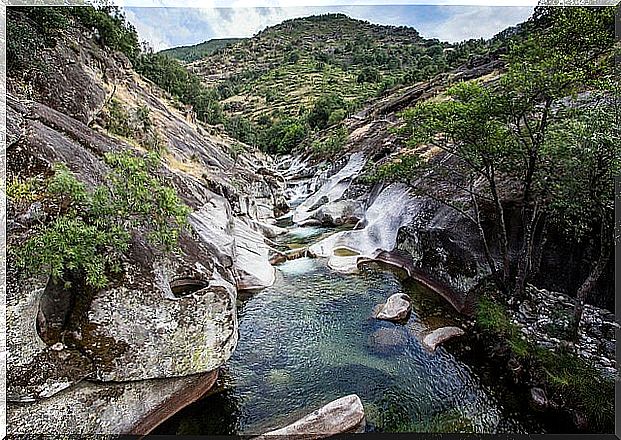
174, 26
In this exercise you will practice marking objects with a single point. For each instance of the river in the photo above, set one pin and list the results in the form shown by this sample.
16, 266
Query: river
311, 338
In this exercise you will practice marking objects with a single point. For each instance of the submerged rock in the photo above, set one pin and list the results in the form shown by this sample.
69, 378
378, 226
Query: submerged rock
440, 335
388, 340
396, 308
339, 416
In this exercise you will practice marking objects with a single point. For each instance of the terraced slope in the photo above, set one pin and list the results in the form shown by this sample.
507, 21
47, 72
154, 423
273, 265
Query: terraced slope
282, 70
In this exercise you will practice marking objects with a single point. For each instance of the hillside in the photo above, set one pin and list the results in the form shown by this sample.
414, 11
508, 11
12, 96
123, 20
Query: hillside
283, 70
198, 51
137, 207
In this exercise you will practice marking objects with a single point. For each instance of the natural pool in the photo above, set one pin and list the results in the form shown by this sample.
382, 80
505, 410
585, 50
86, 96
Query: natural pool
311, 338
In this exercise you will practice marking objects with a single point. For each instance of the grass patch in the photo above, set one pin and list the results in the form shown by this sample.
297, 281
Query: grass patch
575, 381
492, 317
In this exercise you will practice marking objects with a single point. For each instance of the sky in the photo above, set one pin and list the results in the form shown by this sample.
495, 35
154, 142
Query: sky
164, 27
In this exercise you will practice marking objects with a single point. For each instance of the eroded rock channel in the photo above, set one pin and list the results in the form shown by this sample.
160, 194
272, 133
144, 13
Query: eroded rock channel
313, 336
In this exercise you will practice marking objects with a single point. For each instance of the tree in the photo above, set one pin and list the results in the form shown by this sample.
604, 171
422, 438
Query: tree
323, 108
368, 74
92, 230
587, 149
499, 134
471, 129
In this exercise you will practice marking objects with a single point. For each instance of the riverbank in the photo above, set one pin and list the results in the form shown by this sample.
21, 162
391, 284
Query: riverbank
568, 386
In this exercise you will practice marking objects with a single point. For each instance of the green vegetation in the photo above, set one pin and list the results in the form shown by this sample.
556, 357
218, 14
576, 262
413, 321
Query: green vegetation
90, 230
576, 382
315, 66
328, 110
27, 37
171, 76
198, 51
491, 317
282, 136
134, 126
529, 128
565, 376
330, 64
31, 29
332, 144
118, 119
22, 190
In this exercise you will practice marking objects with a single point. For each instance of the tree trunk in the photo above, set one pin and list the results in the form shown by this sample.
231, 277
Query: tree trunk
502, 228
525, 257
500, 281
543, 239
587, 287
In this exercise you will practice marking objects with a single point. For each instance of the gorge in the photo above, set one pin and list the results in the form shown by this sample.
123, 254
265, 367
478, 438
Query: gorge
178, 265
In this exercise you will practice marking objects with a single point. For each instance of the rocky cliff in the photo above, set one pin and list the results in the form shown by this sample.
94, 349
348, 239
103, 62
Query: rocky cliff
436, 243
123, 358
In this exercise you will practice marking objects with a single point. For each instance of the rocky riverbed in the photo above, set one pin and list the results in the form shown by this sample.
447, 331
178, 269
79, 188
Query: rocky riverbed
545, 317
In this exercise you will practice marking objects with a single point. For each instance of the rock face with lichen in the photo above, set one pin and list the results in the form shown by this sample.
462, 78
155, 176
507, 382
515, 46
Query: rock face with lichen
115, 359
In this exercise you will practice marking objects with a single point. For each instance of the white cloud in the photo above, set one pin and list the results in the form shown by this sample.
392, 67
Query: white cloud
475, 22
168, 27
315, 3
245, 22
154, 35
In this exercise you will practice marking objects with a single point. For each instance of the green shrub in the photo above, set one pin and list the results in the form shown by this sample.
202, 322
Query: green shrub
71, 244
283, 135
118, 121
113, 29
492, 317
336, 116
241, 129
403, 168
333, 143
134, 195
93, 229
32, 28
368, 74
323, 108
23, 190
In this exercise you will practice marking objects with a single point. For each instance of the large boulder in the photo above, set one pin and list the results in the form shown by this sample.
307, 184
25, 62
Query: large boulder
339, 416
441, 335
109, 408
339, 213
396, 308
331, 191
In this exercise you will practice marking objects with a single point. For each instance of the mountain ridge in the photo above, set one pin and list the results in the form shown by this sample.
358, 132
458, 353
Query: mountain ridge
194, 52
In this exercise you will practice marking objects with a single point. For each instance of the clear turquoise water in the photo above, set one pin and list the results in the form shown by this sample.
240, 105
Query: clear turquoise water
311, 338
